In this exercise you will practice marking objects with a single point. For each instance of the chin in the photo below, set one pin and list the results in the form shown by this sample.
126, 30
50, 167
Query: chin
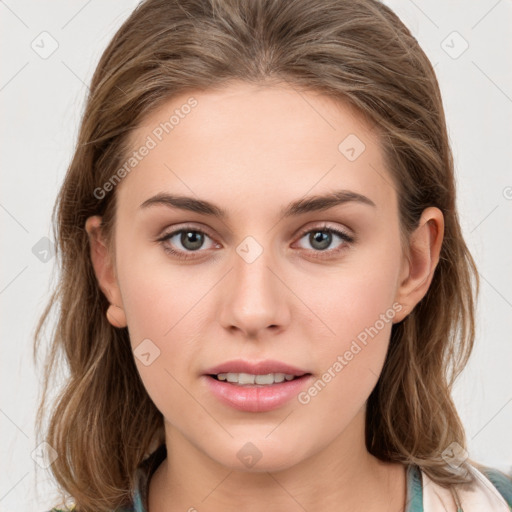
258, 456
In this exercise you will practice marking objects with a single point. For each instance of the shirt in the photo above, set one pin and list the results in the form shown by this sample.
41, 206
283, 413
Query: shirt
492, 491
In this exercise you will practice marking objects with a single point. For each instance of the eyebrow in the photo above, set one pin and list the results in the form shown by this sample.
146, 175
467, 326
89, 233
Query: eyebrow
298, 207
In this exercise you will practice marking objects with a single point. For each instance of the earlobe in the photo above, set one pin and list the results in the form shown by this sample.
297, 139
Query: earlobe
116, 316
104, 270
423, 256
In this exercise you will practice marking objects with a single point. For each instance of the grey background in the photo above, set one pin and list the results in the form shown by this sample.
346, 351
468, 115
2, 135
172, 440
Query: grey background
42, 101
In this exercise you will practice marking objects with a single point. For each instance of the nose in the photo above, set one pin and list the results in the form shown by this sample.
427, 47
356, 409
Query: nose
255, 300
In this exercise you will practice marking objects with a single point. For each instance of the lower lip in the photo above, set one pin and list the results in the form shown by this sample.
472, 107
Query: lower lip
256, 398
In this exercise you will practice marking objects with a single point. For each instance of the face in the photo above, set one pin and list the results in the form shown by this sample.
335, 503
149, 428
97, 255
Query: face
317, 289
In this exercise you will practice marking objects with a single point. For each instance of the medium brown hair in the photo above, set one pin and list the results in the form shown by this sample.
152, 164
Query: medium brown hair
103, 422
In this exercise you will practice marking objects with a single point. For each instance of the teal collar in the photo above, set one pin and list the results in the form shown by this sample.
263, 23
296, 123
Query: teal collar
414, 499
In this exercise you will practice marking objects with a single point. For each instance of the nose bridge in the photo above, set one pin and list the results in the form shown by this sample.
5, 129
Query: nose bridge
255, 297
254, 284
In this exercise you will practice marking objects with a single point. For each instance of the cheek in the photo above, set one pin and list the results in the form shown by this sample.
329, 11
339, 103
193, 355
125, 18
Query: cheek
353, 296
163, 306
348, 362
356, 309
167, 307
353, 318
157, 294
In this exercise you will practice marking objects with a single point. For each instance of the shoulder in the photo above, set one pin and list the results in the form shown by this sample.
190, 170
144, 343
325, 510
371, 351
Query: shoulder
500, 480
491, 490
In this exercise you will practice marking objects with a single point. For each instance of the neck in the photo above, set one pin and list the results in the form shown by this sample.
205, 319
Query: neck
352, 480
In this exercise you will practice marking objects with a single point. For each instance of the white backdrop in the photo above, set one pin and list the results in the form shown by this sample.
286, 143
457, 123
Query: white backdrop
49, 52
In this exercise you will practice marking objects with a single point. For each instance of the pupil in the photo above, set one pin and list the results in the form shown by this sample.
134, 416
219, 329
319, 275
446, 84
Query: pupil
321, 237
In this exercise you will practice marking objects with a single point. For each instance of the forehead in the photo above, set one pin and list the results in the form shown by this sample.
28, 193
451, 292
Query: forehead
267, 144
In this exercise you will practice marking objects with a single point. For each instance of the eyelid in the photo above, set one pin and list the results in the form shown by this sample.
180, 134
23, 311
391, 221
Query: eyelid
346, 233
167, 233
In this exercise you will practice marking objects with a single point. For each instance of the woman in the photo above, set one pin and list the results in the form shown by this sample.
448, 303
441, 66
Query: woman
265, 293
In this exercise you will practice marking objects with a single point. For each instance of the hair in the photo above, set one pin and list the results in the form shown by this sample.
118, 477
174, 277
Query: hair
103, 422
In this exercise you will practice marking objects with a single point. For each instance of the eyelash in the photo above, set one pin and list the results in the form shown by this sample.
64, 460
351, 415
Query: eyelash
347, 239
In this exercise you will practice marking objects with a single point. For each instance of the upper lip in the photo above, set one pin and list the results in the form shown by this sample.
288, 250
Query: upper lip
255, 368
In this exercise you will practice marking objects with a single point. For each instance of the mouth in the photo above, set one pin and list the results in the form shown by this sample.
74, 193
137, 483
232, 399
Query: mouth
255, 386
256, 393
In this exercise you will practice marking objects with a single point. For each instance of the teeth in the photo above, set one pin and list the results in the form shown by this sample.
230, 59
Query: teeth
248, 378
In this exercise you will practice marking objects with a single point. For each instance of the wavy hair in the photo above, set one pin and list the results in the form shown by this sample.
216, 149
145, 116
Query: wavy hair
102, 423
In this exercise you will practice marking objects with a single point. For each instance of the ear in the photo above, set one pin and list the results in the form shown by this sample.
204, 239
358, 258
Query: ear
420, 261
104, 269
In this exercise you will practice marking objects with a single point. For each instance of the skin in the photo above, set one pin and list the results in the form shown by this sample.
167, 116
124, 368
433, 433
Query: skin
251, 150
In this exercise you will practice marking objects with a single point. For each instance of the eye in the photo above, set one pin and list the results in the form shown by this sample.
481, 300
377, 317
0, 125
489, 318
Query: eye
184, 242
190, 239
321, 238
